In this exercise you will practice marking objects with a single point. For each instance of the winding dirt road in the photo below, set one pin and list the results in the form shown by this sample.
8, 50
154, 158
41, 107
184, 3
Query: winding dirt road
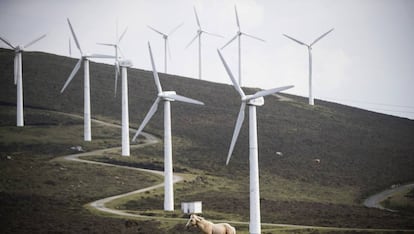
375, 200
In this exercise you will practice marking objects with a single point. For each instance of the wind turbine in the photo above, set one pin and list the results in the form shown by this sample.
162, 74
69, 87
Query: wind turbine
252, 101
198, 35
166, 97
85, 59
117, 49
311, 102
166, 45
124, 64
18, 75
238, 35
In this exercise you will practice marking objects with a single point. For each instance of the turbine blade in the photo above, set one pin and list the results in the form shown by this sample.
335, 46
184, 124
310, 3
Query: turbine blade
34, 41
120, 51
72, 74
105, 44
198, 21
231, 40
320, 37
236, 132
147, 118
191, 42
235, 84
154, 70
293, 39
175, 29
74, 36
237, 17
269, 91
254, 37
122, 35
184, 99
155, 30
7, 42
212, 34
100, 56
168, 49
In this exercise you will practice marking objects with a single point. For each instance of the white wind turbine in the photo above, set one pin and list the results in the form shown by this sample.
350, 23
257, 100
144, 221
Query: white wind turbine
238, 35
124, 64
117, 49
85, 59
18, 75
198, 35
252, 101
311, 102
166, 45
166, 97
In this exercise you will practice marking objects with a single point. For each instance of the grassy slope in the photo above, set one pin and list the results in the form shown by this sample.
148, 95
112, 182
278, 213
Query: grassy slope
38, 195
360, 151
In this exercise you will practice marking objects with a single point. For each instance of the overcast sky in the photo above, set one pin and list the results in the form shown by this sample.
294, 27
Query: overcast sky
367, 61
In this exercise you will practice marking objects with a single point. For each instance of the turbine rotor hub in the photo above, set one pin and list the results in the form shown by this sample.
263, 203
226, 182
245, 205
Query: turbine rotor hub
166, 95
256, 102
125, 63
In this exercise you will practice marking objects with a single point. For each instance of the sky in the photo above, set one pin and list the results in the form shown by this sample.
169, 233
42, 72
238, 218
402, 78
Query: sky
366, 62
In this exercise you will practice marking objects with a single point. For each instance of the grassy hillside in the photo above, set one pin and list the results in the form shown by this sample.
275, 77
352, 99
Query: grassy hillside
360, 151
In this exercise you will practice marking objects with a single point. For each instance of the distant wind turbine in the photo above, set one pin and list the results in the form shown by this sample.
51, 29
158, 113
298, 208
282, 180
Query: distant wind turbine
85, 59
18, 75
311, 102
117, 49
166, 97
166, 45
124, 64
198, 35
238, 35
252, 101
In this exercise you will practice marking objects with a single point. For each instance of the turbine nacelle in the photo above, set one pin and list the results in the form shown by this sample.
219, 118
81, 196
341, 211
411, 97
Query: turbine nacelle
166, 95
255, 101
18, 48
125, 63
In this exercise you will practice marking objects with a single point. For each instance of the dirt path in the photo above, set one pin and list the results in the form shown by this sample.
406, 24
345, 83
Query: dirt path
375, 200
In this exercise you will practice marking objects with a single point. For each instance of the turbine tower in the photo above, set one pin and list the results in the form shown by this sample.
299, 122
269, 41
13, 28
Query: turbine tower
252, 101
85, 59
311, 102
200, 31
124, 64
70, 47
18, 76
166, 45
238, 35
117, 57
166, 97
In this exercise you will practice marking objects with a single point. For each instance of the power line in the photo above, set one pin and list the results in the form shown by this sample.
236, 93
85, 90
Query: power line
366, 105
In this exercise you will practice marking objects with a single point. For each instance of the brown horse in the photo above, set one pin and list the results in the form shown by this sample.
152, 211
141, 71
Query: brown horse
208, 227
